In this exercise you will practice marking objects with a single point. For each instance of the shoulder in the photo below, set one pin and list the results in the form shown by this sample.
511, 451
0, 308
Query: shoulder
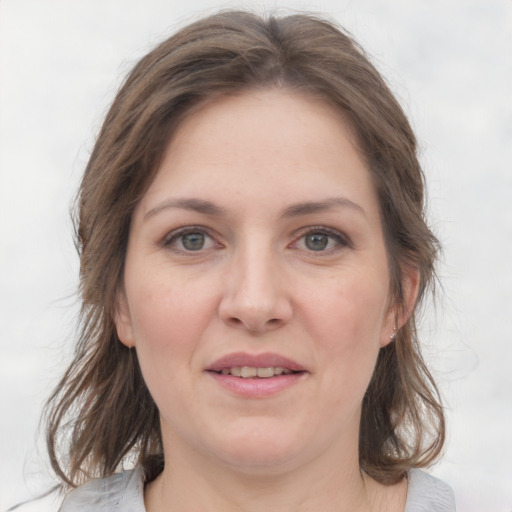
123, 492
428, 494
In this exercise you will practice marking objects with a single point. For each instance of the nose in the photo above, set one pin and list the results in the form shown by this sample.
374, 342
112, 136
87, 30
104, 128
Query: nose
255, 293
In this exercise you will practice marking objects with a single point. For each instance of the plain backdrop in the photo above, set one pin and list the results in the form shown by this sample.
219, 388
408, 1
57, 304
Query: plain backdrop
450, 64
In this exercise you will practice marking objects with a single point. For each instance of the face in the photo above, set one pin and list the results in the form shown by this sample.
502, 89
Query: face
256, 285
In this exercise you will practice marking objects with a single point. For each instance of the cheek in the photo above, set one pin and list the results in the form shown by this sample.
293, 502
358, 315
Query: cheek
168, 322
354, 305
168, 315
347, 318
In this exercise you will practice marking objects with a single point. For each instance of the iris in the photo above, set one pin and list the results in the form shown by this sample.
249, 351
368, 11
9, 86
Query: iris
316, 241
193, 241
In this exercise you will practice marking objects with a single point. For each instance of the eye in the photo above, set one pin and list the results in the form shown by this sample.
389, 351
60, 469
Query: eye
321, 240
316, 241
191, 239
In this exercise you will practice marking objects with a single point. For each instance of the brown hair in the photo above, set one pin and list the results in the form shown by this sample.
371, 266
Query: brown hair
101, 413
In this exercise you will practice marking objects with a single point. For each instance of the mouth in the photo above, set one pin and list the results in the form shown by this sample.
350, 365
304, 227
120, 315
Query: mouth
255, 366
252, 372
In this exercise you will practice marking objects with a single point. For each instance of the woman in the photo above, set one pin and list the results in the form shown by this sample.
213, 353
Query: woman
253, 254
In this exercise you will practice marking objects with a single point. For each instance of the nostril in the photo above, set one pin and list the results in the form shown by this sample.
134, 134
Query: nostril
255, 326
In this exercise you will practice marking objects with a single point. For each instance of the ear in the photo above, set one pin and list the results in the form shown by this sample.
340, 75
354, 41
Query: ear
398, 314
123, 320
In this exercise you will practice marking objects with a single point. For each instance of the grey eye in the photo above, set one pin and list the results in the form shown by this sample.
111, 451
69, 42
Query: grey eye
189, 239
316, 241
193, 241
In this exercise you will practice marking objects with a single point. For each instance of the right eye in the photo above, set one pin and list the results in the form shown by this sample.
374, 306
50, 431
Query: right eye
189, 240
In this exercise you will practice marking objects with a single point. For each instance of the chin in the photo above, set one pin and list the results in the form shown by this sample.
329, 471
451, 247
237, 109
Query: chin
263, 448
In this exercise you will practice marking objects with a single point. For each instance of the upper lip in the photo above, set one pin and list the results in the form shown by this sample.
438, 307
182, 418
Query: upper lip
266, 360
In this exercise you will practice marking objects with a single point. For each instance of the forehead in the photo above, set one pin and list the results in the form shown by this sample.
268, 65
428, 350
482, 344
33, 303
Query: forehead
275, 119
260, 142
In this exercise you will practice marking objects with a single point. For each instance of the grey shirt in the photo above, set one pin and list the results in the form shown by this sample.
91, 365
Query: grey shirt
124, 492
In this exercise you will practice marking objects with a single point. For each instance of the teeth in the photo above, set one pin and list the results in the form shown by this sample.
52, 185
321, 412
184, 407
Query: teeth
265, 373
248, 372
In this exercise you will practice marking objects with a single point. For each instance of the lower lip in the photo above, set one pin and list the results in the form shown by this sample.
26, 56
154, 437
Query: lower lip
255, 387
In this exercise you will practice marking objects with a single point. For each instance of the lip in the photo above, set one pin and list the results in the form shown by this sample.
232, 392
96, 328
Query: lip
266, 360
256, 387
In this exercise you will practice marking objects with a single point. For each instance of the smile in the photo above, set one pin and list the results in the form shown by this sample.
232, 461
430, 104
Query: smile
256, 375
248, 372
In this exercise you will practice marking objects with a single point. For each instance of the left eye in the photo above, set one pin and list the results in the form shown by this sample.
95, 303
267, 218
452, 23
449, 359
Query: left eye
319, 241
190, 241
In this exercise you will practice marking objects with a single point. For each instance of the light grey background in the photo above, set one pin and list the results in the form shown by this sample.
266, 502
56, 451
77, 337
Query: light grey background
449, 62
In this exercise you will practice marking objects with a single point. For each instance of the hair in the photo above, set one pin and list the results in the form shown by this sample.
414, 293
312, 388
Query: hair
101, 415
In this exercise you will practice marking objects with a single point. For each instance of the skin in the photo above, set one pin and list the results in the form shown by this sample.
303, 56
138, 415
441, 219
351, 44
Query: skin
253, 284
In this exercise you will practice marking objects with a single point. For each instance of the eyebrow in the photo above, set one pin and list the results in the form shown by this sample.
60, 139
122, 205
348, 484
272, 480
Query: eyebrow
311, 207
196, 205
294, 210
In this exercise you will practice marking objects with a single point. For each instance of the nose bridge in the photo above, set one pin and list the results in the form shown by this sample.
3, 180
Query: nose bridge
255, 296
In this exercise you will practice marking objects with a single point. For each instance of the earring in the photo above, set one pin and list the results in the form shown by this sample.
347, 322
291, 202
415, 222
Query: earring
392, 336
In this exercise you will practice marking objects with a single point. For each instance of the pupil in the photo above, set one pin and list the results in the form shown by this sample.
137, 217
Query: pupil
317, 242
193, 241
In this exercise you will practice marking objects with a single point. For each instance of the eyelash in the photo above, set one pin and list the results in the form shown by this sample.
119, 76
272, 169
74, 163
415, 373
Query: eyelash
341, 240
